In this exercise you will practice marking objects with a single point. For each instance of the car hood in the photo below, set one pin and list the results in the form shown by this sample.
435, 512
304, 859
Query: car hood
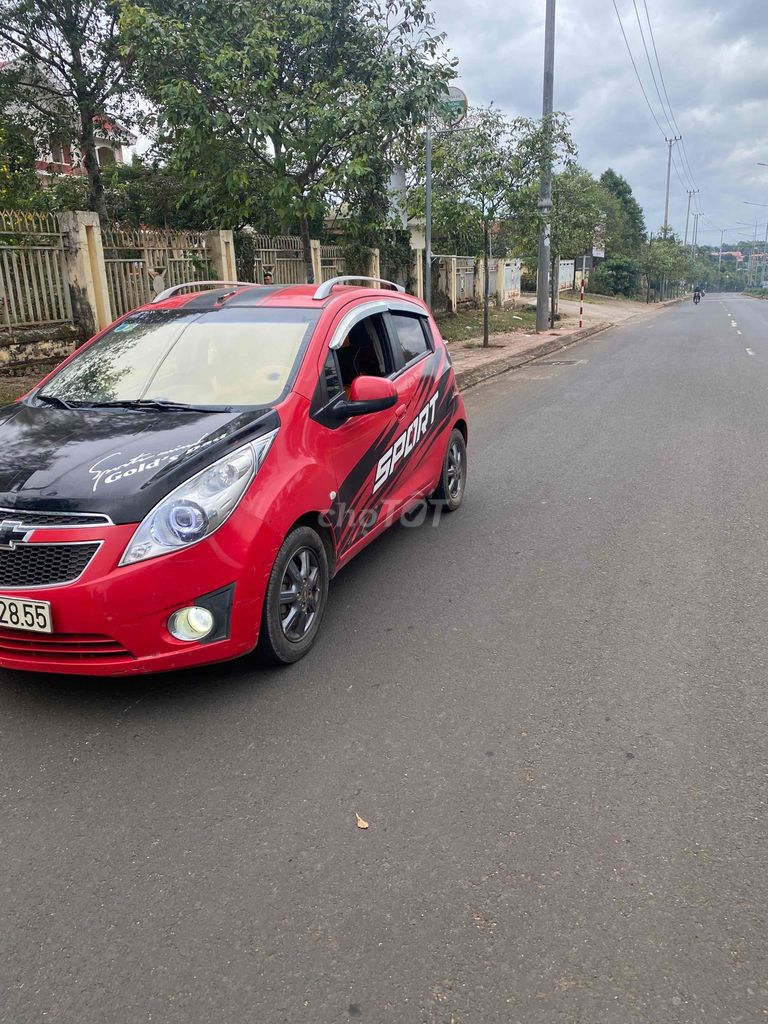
117, 462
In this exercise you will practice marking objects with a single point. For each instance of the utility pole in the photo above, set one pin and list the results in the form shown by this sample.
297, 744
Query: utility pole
691, 192
720, 257
545, 186
670, 143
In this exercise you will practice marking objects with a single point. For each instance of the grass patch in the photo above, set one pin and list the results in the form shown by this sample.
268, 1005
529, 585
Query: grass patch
468, 323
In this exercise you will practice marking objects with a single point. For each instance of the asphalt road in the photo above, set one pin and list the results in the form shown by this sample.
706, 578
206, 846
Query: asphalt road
551, 709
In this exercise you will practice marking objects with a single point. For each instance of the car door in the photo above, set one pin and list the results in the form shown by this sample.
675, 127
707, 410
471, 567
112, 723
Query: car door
417, 382
356, 444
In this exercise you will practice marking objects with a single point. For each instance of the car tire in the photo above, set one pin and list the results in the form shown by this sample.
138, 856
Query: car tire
453, 479
296, 598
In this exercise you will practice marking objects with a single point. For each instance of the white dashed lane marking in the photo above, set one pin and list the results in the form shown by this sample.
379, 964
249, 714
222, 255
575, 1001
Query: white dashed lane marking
750, 352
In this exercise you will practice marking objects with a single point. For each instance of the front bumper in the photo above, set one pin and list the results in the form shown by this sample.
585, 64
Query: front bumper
113, 620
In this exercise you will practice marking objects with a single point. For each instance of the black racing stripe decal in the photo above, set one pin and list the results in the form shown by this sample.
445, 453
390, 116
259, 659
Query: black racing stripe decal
357, 508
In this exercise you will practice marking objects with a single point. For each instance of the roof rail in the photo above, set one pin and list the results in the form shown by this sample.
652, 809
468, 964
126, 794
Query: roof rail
327, 287
162, 296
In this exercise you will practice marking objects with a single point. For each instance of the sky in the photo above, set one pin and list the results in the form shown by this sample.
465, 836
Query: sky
714, 60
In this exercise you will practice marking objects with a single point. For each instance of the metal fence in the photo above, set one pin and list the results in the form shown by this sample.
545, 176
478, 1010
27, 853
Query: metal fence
331, 262
33, 279
278, 257
458, 281
466, 271
565, 275
142, 262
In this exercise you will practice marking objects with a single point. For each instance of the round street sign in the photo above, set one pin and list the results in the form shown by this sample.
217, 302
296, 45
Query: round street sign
452, 107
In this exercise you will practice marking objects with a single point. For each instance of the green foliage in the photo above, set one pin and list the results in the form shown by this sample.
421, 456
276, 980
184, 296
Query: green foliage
618, 275
483, 177
18, 181
396, 256
64, 71
285, 104
625, 223
577, 203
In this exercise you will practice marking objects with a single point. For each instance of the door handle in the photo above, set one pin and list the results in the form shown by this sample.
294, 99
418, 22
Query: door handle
400, 411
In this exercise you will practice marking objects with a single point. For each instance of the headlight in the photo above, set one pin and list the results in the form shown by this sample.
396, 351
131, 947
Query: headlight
199, 506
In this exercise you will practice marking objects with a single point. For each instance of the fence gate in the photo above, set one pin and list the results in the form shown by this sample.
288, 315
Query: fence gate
33, 283
278, 259
331, 262
466, 269
142, 262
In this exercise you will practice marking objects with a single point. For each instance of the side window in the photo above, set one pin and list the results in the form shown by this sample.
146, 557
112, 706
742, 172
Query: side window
364, 352
331, 379
411, 333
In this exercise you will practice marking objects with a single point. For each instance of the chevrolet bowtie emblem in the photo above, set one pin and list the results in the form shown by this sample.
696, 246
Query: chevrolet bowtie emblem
12, 534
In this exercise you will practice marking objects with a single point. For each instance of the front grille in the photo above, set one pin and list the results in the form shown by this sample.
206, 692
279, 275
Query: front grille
54, 518
90, 647
44, 565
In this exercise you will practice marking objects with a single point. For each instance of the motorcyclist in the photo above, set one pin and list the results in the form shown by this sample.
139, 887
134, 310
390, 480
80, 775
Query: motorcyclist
696, 295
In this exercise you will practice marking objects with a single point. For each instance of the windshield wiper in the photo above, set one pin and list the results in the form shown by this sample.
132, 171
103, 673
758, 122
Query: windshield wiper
155, 403
55, 400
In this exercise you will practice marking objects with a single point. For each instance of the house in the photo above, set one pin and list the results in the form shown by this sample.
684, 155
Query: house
60, 157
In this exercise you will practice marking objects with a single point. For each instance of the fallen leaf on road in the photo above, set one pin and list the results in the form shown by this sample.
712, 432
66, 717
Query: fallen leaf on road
361, 822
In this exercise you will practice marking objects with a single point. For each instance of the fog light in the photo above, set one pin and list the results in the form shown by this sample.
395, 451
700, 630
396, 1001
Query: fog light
191, 623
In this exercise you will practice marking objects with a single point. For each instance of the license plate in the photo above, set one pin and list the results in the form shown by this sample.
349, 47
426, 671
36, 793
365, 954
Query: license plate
34, 616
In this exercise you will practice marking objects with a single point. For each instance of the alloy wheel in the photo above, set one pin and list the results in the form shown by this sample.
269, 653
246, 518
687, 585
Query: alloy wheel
300, 594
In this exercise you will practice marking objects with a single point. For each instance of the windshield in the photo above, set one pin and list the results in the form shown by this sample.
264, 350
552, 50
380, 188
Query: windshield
228, 357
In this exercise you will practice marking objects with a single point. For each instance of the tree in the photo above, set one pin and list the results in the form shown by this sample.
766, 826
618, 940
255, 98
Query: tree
665, 262
625, 223
483, 172
615, 275
18, 182
304, 95
577, 206
66, 73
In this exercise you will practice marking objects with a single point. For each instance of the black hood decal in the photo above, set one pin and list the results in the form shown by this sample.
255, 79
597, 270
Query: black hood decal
119, 462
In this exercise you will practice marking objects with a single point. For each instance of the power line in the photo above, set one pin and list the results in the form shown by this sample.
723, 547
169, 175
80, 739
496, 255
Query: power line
673, 129
637, 73
686, 162
677, 172
658, 65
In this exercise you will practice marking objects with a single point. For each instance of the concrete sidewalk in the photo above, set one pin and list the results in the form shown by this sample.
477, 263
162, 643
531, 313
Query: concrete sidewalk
474, 364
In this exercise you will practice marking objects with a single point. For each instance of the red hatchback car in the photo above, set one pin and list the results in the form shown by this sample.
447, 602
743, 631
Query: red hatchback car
183, 487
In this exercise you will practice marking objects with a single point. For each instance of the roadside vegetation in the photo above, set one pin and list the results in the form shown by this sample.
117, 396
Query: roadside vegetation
467, 324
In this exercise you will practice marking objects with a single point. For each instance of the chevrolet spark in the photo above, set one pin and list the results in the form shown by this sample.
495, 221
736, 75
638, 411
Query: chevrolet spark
182, 489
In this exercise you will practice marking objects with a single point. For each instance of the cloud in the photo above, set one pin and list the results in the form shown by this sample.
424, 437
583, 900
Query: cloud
714, 57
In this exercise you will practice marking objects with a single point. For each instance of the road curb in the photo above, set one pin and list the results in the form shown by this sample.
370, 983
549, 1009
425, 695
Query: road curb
471, 376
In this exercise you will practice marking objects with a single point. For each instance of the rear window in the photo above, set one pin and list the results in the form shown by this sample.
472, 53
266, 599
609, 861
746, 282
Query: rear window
229, 357
411, 334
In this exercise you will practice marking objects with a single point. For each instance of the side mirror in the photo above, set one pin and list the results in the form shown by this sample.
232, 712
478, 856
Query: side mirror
366, 395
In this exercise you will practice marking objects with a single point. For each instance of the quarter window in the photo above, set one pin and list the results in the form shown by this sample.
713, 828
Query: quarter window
331, 377
411, 334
